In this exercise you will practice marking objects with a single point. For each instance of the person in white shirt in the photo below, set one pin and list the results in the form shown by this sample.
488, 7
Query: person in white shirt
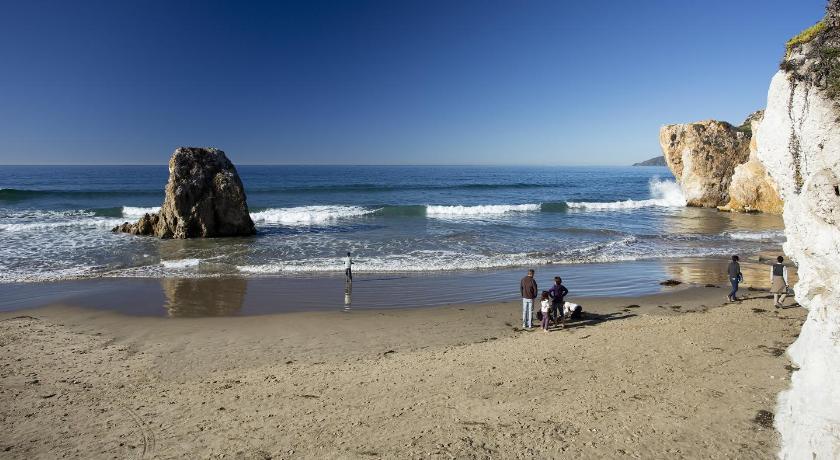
572, 310
778, 282
348, 268
545, 307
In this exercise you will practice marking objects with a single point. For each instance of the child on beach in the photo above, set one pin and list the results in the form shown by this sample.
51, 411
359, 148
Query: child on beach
545, 306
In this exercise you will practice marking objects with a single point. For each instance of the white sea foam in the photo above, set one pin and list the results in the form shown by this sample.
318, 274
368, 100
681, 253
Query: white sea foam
25, 220
478, 211
415, 261
85, 222
53, 274
44, 214
131, 212
629, 248
663, 193
769, 235
308, 215
180, 263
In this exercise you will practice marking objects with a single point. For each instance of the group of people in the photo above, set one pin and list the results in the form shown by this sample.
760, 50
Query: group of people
778, 280
553, 307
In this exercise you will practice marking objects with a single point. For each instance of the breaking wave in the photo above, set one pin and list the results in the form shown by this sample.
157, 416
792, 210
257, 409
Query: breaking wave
131, 212
663, 193
769, 235
480, 210
308, 215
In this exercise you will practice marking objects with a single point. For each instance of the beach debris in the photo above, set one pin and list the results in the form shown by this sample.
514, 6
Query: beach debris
670, 282
204, 199
764, 418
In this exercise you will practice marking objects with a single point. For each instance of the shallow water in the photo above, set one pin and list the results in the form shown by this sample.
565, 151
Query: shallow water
55, 222
199, 297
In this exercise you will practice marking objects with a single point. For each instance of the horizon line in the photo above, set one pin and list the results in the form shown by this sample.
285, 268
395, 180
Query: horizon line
344, 164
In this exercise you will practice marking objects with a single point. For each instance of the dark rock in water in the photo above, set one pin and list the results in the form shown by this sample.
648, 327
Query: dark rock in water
655, 161
670, 283
204, 199
145, 226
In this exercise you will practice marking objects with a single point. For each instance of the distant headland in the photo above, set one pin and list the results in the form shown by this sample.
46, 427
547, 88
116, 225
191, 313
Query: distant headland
655, 161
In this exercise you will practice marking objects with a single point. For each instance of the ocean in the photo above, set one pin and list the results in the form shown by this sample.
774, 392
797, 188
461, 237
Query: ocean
55, 221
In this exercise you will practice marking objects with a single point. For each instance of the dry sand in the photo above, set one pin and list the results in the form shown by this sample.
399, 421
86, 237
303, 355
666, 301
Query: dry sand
672, 378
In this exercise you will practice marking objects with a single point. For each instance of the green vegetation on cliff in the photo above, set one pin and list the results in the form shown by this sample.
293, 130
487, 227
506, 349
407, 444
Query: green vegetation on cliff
804, 37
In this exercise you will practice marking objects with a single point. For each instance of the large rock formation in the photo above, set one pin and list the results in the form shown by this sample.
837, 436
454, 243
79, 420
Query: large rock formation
204, 198
752, 188
703, 157
799, 144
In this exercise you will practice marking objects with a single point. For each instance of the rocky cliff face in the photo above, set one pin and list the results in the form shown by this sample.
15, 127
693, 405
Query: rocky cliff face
752, 188
799, 144
703, 157
204, 198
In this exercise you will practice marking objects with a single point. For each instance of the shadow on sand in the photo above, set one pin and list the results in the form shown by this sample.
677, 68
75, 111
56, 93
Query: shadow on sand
591, 319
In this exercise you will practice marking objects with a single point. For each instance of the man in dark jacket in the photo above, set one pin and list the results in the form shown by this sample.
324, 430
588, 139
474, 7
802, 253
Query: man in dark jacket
528, 290
557, 293
735, 277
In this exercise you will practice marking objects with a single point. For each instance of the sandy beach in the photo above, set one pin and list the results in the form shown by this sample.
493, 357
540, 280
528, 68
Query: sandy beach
668, 375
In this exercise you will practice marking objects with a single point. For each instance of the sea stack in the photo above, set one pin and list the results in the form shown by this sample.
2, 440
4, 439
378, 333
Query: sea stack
799, 144
204, 199
703, 157
716, 165
752, 189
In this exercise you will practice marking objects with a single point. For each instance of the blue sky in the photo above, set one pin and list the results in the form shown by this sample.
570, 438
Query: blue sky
383, 82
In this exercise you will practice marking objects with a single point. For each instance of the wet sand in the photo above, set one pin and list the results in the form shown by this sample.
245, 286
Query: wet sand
673, 374
238, 296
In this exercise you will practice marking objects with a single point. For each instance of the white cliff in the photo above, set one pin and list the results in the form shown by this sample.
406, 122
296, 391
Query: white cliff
799, 144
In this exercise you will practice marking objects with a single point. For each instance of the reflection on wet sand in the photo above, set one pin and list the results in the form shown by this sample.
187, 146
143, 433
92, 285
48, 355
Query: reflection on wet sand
191, 297
348, 294
704, 270
710, 222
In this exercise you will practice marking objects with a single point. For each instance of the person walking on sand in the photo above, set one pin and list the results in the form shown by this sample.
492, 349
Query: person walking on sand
528, 290
779, 282
735, 277
545, 307
558, 293
348, 268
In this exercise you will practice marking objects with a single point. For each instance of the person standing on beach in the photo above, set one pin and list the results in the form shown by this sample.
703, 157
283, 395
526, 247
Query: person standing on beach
735, 277
528, 290
348, 268
558, 293
545, 307
778, 282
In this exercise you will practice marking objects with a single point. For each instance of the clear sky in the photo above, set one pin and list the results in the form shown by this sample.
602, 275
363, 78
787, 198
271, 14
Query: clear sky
382, 82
